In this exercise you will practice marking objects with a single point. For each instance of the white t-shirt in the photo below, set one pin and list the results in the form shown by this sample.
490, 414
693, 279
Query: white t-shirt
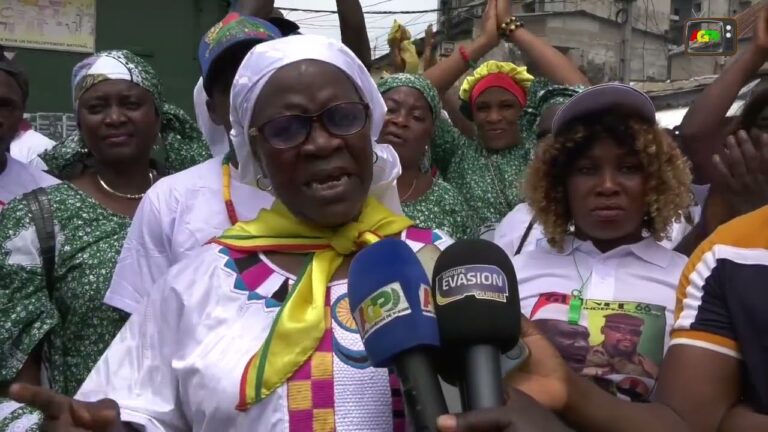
177, 216
628, 307
19, 178
28, 145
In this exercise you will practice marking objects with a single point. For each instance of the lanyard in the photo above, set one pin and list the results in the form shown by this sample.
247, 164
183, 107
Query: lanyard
577, 296
576, 303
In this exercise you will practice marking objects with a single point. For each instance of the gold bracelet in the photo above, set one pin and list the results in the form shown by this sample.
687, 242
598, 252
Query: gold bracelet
509, 26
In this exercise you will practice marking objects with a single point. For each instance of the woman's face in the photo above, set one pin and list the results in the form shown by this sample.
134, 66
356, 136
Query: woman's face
324, 178
408, 124
606, 190
118, 121
495, 113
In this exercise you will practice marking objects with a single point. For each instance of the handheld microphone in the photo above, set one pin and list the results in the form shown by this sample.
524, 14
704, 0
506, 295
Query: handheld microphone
478, 314
391, 302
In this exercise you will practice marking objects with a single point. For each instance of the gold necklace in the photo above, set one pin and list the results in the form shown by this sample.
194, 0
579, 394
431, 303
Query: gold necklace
410, 191
122, 195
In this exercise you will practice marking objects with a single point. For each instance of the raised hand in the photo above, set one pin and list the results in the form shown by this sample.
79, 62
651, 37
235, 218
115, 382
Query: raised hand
257, 8
490, 22
65, 414
743, 171
429, 36
503, 11
761, 32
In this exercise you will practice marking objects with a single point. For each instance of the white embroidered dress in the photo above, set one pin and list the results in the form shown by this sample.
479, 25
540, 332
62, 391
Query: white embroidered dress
177, 365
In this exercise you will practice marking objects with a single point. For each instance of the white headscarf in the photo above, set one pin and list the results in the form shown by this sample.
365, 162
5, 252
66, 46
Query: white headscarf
215, 135
268, 57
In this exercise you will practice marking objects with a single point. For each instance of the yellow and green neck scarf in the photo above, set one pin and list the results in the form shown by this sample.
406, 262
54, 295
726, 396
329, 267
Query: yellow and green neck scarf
300, 323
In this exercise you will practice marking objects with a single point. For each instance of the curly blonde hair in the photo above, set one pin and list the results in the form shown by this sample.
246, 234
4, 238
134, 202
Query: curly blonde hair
667, 172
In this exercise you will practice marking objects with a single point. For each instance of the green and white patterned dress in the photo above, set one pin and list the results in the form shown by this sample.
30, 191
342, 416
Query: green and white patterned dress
442, 208
491, 181
73, 324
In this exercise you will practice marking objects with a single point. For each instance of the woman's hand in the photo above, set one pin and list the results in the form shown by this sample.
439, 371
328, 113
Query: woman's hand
743, 172
544, 376
65, 414
490, 23
761, 32
502, 13
522, 414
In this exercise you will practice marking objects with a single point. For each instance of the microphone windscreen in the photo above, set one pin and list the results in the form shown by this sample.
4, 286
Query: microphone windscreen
391, 301
474, 287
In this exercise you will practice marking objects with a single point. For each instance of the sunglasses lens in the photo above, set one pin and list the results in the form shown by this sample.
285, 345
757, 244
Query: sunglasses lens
286, 131
345, 118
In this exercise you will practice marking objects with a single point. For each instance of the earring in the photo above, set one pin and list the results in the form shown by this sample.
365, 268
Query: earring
375, 157
425, 163
259, 179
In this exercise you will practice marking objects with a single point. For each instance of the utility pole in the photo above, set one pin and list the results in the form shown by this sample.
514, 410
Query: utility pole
626, 55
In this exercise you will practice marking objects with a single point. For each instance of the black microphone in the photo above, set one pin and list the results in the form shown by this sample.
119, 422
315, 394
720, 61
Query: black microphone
478, 314
391, 302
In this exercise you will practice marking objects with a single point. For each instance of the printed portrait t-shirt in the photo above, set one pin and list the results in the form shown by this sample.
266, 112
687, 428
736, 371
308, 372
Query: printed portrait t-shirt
616, 331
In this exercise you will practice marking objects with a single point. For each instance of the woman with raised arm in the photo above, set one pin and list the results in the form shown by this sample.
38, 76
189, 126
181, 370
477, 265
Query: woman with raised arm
487, 166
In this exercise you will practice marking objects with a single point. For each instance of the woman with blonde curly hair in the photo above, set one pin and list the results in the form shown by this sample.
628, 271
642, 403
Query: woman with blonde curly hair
606, 188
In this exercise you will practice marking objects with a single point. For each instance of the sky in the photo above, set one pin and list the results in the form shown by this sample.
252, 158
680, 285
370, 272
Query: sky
378, 25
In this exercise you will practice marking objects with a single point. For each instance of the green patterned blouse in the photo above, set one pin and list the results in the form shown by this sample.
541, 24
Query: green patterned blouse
73, 324
488, 181
491, 182
442, 208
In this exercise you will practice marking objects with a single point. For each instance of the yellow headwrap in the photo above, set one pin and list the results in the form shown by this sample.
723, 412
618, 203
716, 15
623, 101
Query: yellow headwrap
300, 323
518, 73
400, 35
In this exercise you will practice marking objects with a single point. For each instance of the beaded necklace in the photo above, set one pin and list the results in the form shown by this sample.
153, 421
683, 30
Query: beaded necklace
226, 173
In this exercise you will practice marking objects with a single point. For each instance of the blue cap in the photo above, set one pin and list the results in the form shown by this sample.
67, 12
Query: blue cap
234, 29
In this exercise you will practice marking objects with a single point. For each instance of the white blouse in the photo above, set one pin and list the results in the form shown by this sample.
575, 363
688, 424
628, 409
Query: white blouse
176, 217
177, 365
19, 178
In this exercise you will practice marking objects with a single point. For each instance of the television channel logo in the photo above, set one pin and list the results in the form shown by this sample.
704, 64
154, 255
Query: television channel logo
711, 36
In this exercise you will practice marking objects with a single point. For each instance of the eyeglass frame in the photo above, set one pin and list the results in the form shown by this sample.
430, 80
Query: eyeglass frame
314, 118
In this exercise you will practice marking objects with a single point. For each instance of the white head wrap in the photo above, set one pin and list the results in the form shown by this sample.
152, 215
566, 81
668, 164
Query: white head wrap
215, 135
266, 58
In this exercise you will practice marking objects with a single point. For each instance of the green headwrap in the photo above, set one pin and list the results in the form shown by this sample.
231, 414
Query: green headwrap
429, 92
541, 95
184, 145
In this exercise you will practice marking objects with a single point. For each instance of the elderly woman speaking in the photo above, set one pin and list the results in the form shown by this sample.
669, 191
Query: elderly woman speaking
254, 333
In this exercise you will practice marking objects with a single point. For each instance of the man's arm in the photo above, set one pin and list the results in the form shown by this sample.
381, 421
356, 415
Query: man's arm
354, 33
256, 8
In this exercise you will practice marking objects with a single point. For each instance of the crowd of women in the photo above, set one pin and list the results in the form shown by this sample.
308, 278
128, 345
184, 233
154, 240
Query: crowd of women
169, 275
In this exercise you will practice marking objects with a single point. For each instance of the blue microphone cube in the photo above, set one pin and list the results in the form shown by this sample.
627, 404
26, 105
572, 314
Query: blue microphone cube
391, 301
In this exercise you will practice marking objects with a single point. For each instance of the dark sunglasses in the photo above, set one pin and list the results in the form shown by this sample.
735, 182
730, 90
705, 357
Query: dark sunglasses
341, 119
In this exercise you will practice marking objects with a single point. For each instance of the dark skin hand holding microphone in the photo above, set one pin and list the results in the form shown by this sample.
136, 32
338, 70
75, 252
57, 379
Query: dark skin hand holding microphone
521, 413
475, 295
